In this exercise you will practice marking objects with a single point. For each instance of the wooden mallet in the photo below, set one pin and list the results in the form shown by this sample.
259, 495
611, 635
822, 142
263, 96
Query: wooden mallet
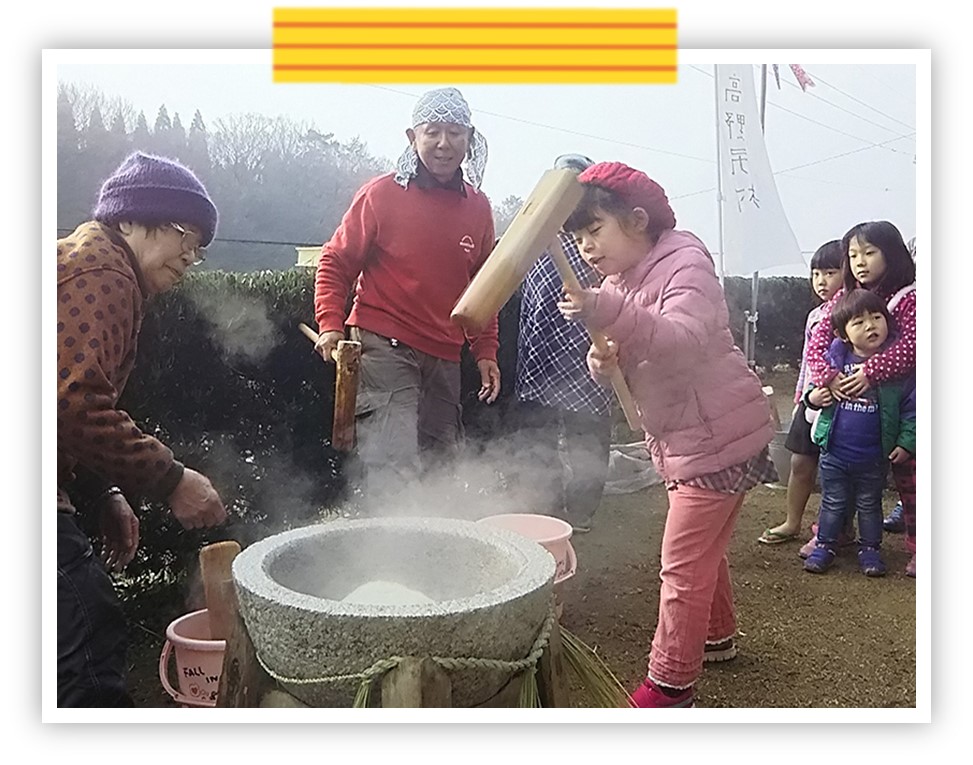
345, 390
532, 231
215, 562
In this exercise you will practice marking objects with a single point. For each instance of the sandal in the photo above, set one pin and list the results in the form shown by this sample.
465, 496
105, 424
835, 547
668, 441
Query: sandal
771, 537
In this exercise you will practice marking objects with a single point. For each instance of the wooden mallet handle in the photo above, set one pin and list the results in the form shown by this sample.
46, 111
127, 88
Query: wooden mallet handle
215, 567
622, 393
348, 361
345, 394
308, 332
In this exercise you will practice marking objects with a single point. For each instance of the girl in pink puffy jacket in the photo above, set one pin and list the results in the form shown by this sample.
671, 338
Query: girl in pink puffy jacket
706, 419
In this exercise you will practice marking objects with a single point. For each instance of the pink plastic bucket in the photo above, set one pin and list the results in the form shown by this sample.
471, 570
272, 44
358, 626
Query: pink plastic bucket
199, 660
553, 533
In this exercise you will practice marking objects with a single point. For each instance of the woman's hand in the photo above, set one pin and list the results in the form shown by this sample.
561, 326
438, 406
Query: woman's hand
119, 527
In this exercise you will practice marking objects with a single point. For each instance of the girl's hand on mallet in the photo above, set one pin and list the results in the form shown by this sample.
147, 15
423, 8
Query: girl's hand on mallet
602, 364
577, 306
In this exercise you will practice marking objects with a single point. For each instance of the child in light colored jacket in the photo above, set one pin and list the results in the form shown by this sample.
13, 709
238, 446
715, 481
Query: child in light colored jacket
825, 281
707, 421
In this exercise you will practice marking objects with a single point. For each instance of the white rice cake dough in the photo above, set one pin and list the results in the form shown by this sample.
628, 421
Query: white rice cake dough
382, 593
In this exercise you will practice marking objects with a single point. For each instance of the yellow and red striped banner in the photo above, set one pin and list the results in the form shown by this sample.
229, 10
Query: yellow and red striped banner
475, 45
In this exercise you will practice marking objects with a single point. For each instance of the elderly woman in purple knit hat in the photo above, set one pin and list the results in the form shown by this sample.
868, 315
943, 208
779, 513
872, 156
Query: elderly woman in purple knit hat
152, 220
407, 247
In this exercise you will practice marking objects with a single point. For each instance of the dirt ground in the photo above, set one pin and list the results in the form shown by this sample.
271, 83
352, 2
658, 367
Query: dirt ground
838, 640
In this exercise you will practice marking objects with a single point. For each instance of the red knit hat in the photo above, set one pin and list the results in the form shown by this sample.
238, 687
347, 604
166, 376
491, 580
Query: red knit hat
635, 188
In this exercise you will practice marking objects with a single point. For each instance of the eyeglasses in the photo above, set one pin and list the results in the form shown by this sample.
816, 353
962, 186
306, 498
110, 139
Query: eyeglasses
197, 251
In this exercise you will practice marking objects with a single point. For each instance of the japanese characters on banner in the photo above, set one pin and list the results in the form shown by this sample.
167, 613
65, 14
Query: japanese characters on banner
756, 234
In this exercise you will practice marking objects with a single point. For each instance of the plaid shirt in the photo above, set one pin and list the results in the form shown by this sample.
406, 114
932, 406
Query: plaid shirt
551, 366
738, 478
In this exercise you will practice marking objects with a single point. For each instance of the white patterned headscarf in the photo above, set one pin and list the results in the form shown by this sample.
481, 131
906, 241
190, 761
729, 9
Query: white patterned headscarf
444, 105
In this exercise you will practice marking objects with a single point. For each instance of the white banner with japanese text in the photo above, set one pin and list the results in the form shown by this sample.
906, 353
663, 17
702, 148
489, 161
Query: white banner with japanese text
756, 234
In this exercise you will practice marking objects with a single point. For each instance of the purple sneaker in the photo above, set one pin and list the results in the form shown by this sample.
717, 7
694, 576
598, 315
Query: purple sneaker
870, 562
819, 560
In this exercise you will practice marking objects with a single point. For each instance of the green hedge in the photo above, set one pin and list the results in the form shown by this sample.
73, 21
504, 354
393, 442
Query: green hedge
225, 378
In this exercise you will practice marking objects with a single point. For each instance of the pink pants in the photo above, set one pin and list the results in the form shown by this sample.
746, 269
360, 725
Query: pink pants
696, 598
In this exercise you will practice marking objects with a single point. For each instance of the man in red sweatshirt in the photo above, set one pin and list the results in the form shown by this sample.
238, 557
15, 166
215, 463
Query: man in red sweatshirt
409, 245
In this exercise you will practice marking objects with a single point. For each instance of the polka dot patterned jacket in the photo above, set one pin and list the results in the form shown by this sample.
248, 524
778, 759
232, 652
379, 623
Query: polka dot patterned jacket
100, 299
897, 360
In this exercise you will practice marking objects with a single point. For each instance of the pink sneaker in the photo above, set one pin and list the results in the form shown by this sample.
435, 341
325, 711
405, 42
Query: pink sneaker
843, 541
808, 547
648, 696
910, 569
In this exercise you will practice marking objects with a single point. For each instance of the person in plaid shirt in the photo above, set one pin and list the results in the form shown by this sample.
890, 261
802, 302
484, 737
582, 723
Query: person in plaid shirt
563, 414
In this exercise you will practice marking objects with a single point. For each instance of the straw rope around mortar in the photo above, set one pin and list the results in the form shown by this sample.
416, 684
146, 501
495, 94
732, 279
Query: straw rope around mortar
589, 668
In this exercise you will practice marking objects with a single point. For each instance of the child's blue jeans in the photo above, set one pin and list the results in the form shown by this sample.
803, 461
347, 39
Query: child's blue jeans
851, 487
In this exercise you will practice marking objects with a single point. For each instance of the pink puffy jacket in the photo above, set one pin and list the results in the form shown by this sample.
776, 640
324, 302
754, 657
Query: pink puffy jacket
701, 406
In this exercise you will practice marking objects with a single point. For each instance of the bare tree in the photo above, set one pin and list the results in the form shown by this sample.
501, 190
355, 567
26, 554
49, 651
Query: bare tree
506, 212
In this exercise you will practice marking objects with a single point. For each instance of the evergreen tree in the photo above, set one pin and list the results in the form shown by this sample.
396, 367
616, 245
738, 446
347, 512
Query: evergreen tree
96, 126
162, 121
67, 129
118, 128
161, 133
118, 139
141, 136
197, 150
71, 197
178, 136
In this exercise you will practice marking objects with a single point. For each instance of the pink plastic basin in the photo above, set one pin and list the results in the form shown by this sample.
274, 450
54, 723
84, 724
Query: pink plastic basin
553, 533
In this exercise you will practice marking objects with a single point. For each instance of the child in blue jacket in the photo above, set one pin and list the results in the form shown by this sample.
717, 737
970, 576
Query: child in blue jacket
860, 437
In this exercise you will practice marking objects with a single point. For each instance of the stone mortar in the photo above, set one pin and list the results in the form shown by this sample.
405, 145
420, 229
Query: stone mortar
492, 590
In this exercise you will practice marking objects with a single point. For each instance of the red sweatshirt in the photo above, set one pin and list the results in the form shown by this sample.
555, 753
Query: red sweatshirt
895, 361
412, 251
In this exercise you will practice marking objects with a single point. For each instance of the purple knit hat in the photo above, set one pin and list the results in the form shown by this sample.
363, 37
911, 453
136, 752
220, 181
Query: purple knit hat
151, 190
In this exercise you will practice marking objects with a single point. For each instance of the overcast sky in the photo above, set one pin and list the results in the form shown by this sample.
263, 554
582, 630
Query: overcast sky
842, 152
821, 200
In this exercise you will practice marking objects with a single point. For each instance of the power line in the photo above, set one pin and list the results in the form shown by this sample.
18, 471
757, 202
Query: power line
838, 156
572, 132
842, 132
818, 78
873, 78
799, 167
815, 122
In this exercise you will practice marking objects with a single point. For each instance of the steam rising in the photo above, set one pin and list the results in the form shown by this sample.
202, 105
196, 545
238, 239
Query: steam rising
240, 326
